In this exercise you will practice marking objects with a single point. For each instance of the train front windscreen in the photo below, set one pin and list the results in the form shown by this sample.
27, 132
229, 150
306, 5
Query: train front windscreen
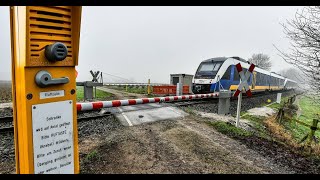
208, 70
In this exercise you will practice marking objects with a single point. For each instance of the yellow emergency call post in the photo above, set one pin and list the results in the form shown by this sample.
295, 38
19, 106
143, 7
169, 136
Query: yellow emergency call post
45, 48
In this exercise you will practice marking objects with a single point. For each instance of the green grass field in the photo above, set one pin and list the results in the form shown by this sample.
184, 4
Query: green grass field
101, 95
133, 89
309, 111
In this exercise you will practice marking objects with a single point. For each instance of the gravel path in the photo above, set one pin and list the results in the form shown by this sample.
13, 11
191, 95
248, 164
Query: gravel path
7, 157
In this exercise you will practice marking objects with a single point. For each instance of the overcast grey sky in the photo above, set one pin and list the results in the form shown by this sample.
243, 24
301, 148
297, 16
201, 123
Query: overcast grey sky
138, 43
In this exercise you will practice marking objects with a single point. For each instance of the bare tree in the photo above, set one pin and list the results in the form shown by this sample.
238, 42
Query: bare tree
261, 60
303, 31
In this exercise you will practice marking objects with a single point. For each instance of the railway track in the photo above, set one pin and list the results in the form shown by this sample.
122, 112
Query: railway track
178, 103
86, 118
6, 129
6, 119
80, 119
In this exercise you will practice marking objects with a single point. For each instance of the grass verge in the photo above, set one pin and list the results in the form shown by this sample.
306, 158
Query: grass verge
309, 111
276, 105
258, 123
229, 129
131, 89
101, 95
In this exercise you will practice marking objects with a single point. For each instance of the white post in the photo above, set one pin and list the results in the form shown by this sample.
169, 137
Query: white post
278, 98
238, 109
179, 90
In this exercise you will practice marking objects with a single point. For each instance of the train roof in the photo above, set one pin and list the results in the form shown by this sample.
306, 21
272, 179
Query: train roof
247, 64
216, 59
225, 58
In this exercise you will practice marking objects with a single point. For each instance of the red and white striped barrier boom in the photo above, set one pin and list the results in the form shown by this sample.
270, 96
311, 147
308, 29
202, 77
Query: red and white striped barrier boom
127, 102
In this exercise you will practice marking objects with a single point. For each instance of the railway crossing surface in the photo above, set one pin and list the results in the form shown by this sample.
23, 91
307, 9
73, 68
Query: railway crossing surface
145, 113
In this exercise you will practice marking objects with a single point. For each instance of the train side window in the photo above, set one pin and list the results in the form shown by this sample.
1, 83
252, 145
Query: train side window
227, 73
260, 80
264, 79
270, 80
257, 77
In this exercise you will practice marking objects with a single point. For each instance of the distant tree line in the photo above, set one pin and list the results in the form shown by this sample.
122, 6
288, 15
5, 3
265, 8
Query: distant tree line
261, 60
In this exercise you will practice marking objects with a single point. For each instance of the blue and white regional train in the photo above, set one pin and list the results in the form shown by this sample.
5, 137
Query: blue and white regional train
223, 69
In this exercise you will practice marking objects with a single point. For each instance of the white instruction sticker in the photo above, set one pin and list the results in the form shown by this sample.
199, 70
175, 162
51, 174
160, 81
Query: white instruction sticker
52, 127
51, 94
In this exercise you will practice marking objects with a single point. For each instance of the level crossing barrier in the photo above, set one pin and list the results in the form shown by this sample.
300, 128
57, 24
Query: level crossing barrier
127, 102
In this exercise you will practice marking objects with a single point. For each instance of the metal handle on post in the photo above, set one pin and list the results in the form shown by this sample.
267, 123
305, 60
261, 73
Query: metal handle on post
44, 79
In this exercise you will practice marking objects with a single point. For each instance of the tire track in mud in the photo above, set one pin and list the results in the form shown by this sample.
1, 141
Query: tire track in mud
173, 146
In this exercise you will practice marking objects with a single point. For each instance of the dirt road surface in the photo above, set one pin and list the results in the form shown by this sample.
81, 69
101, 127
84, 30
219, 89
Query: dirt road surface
186, 145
